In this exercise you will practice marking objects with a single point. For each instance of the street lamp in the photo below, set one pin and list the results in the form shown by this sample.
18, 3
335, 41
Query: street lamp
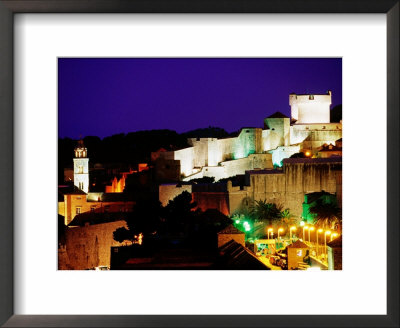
279, 231
269, 231
304, 235
333, 236
327, 233
292, 228
309, 230
318, 232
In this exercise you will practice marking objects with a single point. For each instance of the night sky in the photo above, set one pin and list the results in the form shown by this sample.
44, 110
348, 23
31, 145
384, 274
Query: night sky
106, 96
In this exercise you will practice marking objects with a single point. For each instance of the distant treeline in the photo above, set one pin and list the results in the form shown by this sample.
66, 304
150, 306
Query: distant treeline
133, 147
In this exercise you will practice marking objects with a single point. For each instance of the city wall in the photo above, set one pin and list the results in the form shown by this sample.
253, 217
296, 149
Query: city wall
288, 187
88, 247
168, 192
314, 136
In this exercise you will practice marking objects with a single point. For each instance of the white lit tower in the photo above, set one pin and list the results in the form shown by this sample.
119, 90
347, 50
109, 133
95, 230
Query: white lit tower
81, 167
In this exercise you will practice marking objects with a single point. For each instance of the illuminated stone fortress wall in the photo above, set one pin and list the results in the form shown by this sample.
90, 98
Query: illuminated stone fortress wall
257, 148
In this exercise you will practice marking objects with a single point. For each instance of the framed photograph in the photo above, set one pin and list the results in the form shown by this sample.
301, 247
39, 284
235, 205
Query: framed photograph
191, 151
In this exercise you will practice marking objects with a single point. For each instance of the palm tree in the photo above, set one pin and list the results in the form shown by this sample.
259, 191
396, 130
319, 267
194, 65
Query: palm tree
329, 216
286, 219
266, 212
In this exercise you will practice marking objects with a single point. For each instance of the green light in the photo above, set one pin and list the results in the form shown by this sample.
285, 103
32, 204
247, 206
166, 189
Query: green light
246, 226
237, 221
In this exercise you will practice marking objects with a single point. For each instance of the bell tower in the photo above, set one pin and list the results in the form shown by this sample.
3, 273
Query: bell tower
81, 167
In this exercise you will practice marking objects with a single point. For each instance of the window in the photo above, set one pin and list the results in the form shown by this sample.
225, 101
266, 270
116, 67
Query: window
311, 97
78, 210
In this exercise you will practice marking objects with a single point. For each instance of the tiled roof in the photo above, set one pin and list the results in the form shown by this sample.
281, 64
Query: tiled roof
229, 230
233, 255
70, 190
298, 244
97, 218
336, 242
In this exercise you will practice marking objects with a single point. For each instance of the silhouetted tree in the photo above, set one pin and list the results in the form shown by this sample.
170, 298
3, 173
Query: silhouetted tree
179, 212
328, 215
336, 114
145, 219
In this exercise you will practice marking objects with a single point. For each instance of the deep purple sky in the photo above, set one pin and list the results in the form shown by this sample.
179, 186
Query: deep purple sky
105, 96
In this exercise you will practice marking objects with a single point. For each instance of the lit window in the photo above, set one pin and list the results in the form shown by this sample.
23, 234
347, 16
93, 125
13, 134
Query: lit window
78, 210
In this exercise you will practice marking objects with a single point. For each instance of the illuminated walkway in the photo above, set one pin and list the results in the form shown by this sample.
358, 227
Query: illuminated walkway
266, 262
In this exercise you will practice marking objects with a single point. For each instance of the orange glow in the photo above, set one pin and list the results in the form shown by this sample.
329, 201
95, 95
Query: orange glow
143, 167
307, 153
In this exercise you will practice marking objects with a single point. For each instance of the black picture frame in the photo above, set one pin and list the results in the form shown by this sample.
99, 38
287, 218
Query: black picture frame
10, 7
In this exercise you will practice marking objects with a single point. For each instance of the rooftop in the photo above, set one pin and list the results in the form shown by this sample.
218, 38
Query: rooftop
230, 230
298, 244
264, 172
312, 160
97, 218
277, 115
335, 243
233, 255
